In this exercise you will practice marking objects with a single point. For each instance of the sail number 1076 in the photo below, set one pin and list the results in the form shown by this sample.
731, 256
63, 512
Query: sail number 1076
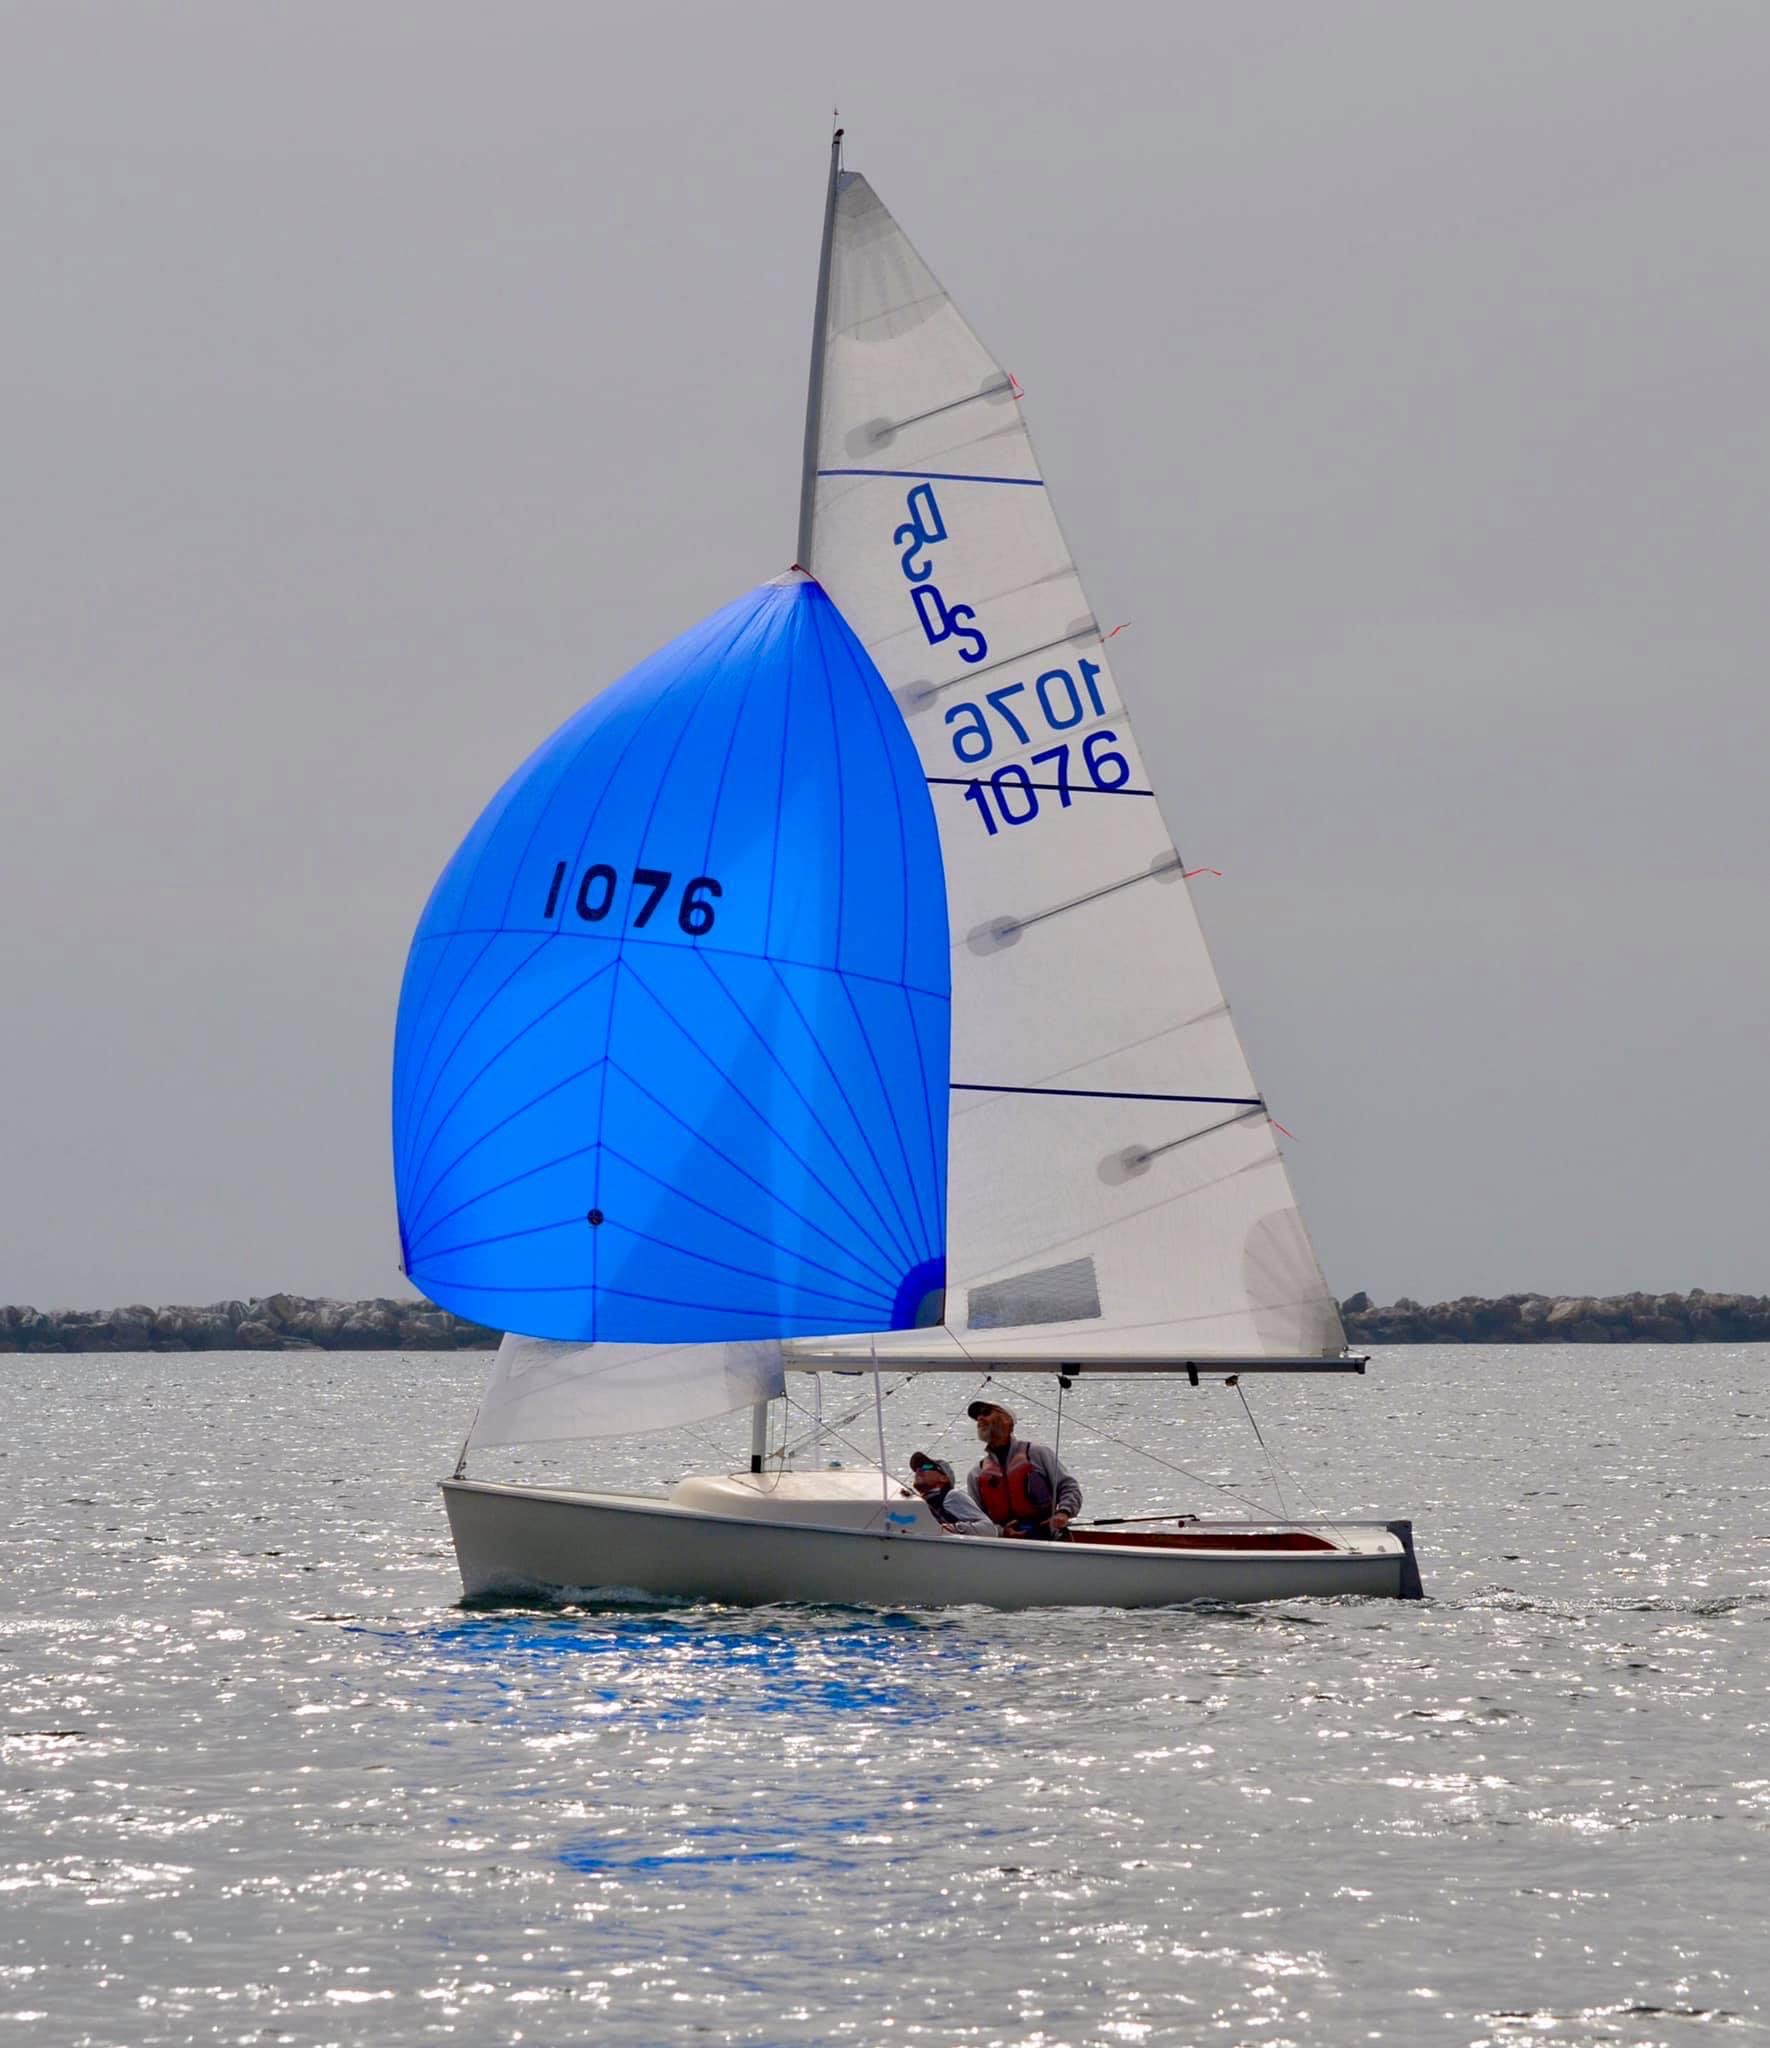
599, 885
1060, 704
1011, 794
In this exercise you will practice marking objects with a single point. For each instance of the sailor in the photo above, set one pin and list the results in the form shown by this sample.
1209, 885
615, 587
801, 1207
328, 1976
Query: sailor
957, 1513
1021, 1486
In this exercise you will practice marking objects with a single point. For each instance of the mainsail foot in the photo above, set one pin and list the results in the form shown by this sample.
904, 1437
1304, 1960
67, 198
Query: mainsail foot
1092, 1365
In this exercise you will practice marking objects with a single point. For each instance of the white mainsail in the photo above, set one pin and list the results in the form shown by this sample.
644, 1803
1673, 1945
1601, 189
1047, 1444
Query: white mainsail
1115, 1187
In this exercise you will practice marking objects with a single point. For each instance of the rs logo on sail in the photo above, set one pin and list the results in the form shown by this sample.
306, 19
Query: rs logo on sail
1009, 795
926, 528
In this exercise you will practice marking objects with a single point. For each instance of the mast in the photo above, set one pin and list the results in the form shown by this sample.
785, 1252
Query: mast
814, 390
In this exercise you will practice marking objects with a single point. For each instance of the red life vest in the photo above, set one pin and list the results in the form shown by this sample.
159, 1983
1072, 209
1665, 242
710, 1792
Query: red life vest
1018, 1493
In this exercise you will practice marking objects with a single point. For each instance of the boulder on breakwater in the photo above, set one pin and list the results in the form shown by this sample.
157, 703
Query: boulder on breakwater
274, 1322
296, 1322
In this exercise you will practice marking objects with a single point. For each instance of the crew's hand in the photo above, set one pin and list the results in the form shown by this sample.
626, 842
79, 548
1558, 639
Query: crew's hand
1059, 1522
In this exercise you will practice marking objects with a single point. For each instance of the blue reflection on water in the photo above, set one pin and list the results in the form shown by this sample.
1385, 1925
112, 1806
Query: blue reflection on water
572, 1674
842, 1841
659, 1669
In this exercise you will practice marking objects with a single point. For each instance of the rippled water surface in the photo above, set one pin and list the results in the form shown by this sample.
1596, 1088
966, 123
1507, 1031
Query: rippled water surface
265, 1781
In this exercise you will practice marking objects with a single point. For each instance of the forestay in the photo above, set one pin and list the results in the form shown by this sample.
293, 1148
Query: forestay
672, 1054
1115, 1183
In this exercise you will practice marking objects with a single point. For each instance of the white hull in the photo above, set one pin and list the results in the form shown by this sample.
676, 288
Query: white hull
527, 1539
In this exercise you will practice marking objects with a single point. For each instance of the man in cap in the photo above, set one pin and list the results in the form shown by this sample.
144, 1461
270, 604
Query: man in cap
1021, 1486
957, 1513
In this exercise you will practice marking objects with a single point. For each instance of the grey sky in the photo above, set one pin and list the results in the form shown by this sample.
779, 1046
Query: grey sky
378, 380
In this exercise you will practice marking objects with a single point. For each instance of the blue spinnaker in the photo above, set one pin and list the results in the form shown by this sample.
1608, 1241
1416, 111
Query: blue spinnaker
672, 1054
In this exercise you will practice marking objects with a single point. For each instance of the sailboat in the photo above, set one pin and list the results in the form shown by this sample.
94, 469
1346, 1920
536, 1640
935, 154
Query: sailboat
826, 997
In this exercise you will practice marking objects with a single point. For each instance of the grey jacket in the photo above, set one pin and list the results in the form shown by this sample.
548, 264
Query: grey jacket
1066, 1491
964, 1516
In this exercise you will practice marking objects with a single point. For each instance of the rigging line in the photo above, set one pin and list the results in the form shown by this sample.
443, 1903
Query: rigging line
712, 1450
835, 1429
467, 1442
824, 1427
1139, 1450
1324, 1516
934, 411
1235, 1382
939, 1437
1321, 1514
1109, 1095
879, 1419
1072, 788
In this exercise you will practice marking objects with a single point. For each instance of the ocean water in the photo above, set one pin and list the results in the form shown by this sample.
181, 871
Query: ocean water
265, 1781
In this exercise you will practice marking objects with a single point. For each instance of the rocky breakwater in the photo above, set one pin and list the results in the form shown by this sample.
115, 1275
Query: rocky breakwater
272, 1322
1694, 1318
295, 1322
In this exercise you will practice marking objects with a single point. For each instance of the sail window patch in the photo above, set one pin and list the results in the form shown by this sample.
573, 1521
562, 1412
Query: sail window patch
1068, 1293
